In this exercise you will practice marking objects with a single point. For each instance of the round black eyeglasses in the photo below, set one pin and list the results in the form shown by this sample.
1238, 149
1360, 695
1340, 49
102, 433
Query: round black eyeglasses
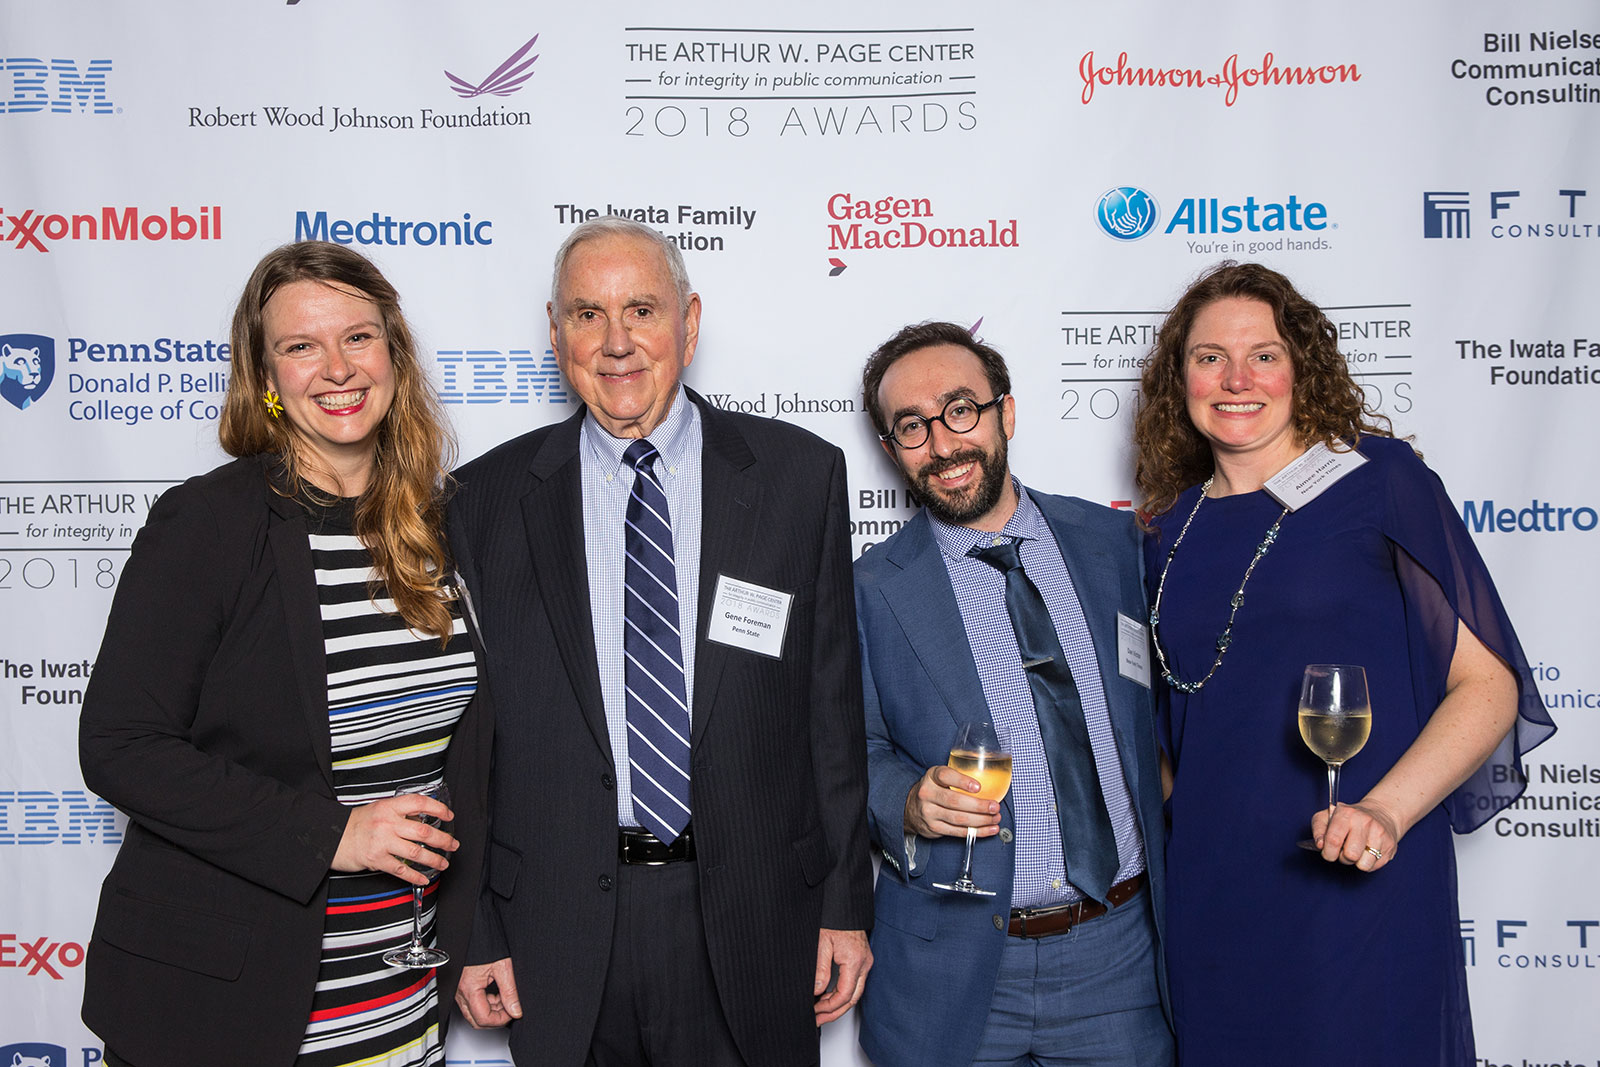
960, 415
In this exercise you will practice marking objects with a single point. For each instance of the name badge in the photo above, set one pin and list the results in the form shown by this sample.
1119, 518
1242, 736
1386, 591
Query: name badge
749, 616
1311, 475
1133, 650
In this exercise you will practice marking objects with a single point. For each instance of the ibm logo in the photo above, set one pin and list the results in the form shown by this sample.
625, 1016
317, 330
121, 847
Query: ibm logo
58, 86
489, 376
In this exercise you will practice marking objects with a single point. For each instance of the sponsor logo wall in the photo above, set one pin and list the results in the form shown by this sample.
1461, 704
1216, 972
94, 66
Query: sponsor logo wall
1051, 175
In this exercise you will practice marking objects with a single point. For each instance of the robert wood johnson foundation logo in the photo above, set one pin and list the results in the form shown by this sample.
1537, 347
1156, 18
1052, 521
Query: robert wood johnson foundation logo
28, 363
1126, 213
504, 80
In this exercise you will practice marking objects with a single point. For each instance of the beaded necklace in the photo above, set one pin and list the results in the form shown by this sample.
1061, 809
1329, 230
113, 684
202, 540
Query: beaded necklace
1238, 598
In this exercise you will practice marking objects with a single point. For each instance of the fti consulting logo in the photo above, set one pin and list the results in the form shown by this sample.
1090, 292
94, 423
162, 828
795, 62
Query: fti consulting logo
28, 363
507, 78
56, 86
32, 1054
1447, 215
1126, 213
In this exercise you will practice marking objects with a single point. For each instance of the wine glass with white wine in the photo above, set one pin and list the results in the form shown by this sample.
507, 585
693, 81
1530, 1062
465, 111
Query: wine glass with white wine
416, 955
1335, 719
977, 753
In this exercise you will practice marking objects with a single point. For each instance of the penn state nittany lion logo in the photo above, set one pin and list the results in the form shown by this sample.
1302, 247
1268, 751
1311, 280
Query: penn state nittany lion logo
33, 1054
27, 365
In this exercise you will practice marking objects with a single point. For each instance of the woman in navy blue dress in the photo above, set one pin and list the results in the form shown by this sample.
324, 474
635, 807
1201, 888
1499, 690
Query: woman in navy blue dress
1278, 955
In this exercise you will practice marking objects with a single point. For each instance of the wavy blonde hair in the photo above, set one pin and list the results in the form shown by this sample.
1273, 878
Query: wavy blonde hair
400, 516
1329, 406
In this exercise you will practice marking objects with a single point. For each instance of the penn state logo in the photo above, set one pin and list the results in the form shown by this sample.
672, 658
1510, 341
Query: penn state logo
27, 364
1126, 213
33, 1054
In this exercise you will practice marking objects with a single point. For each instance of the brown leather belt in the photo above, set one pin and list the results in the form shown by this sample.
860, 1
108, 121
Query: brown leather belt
1044, 922
641, 848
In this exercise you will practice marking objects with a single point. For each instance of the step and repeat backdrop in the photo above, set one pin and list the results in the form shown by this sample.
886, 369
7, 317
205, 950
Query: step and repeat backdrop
1051, 175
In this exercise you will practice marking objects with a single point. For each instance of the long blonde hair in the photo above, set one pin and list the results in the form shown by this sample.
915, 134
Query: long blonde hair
400, 516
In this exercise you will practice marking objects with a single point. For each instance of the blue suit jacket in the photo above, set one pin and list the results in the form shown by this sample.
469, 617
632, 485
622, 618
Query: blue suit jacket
936, 954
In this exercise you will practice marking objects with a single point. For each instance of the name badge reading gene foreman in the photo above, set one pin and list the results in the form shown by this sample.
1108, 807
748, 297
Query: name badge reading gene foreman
749, 616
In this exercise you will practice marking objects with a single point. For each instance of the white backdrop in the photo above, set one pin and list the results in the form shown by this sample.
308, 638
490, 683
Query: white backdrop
1427, 172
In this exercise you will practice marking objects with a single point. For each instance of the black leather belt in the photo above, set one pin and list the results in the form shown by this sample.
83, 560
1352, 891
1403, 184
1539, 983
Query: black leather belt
1045, 922
641, 848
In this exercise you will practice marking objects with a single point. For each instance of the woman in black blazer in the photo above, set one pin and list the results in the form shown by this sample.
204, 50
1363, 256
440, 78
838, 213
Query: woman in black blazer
286, 653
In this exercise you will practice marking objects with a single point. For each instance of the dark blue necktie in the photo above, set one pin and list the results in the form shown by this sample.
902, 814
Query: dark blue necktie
1087, 841
657, 707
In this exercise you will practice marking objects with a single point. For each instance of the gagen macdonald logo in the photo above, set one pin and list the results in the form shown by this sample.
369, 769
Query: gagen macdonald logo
39, 228
901, 222
28, 365
1513, 213
1129, 212
1126, 213
55, 86
1232, 75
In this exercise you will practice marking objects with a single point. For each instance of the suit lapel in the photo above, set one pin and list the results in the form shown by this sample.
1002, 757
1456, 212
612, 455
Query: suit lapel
297, 582
730, 510
552, 515
925, 605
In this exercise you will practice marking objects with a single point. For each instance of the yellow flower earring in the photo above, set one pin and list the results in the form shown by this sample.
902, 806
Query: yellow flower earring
274, 404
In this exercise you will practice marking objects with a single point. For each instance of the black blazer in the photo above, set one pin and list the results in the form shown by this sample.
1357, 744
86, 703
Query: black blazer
206, 721
778, 771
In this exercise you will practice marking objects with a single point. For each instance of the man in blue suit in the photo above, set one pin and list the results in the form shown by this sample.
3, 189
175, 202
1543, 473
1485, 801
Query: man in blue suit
1027, 610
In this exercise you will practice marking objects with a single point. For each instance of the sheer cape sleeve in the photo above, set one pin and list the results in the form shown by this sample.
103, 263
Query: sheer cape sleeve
1443, 579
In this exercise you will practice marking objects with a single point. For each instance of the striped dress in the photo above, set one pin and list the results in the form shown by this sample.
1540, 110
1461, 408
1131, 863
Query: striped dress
393, 701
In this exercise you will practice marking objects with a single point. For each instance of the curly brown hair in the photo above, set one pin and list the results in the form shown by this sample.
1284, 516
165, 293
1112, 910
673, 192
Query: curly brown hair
1329, 406
400, 516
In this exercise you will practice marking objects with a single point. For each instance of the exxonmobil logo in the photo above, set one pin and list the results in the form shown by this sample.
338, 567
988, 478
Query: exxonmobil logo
39, 228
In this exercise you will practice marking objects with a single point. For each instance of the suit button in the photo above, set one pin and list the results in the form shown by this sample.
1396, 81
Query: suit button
999, 923
1005, 835
606, 883
607, 781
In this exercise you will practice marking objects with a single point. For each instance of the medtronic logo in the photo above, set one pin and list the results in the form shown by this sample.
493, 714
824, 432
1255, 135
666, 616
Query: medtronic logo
387, 230
57, 86
27, 363
1539, 516
1126, 213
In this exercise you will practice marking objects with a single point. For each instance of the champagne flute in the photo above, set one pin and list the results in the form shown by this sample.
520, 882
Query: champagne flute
977, 753
416, 955
1335, 719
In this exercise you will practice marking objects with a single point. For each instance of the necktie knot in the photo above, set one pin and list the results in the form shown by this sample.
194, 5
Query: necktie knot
641, 456
1002, 557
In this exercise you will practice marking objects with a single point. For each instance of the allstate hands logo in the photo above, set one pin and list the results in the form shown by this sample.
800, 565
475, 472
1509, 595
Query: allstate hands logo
1126, 213
504, 80
27, 363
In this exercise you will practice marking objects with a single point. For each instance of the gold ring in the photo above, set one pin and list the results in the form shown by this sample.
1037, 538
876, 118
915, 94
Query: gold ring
1375, 853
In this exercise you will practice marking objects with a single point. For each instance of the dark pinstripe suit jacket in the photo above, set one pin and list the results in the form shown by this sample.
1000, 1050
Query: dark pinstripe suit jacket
778, 767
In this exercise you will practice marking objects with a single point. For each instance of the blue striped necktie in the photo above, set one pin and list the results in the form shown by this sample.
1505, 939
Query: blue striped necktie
657, 706
1087, 841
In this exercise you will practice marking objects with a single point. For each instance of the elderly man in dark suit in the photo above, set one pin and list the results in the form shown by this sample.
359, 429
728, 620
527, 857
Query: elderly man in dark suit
1001, 603
678, 869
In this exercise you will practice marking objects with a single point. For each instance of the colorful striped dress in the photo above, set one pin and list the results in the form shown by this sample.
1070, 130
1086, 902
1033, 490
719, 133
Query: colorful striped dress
394, 698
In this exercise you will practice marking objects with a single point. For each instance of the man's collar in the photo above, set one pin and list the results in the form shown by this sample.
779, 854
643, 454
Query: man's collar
1026, 524
671, 437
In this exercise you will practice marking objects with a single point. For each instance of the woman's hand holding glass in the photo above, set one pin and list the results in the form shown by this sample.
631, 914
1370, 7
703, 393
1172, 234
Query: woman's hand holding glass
387, 836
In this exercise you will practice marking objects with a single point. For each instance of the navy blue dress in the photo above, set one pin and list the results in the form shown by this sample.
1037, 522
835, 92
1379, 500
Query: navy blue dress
1276, 956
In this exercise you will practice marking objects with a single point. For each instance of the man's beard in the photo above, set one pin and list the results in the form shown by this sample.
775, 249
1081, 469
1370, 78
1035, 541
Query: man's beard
977, 501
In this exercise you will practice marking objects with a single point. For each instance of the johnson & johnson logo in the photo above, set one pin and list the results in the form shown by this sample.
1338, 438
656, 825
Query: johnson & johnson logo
1230, 77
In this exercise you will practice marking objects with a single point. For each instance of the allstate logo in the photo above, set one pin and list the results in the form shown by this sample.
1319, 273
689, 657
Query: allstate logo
32, 1054
28, 363
1126, 213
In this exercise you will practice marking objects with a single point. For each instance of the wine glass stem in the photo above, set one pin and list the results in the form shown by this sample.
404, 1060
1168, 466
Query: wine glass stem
966, 865
416, 917
1333, 786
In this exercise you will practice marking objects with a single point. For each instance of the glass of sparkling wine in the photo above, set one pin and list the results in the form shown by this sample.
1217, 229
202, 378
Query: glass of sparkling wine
977, 753
1335, 719
416, 955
